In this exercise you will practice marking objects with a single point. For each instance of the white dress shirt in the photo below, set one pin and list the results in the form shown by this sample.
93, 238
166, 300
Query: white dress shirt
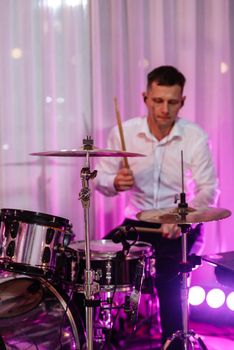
158, 176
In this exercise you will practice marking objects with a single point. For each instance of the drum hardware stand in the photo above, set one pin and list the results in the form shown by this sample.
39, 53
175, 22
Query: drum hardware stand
104, 324
185, 334
91, 287
135, 296
103, 328
104, 320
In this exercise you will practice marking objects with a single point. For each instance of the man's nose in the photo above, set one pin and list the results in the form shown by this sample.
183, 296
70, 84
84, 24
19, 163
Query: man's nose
165, 107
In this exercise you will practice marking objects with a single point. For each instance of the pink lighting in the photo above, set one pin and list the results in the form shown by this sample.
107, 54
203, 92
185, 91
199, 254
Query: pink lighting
196, 295
215, 298
230, 301
216, 305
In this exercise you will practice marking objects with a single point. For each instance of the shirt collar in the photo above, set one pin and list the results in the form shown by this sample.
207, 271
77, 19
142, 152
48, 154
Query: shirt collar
176, 131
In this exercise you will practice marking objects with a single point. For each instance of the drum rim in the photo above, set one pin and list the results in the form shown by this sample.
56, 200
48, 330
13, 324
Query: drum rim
98, 255
34, 217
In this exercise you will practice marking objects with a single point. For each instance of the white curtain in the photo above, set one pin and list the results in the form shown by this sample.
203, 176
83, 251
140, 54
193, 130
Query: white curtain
62, 62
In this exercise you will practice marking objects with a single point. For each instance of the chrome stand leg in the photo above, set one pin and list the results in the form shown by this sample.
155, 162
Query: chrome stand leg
188, 337
190, 340
90, 286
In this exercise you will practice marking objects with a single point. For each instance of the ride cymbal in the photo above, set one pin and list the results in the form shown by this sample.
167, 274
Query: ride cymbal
81, 152
192, 216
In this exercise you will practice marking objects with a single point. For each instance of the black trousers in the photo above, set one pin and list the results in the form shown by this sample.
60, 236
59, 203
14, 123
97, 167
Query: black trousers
168, 254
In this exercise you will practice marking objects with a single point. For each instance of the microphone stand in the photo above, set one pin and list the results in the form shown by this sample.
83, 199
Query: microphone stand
185, 334
90, 286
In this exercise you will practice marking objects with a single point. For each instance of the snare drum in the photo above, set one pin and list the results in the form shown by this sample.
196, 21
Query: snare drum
111, 272
31, 241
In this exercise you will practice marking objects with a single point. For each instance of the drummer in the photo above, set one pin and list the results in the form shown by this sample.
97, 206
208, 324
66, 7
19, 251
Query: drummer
154, 181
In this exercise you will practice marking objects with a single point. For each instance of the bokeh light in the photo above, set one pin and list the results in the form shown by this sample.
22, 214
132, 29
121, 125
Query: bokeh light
230, 301
215, 298
196, 295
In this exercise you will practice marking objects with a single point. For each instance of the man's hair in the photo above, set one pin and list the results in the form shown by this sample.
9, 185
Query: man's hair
167, 76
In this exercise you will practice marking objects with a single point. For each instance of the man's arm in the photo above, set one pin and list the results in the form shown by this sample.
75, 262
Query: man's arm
112, 176
206, 190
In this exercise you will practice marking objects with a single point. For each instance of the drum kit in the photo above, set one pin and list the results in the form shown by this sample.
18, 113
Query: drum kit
42, 266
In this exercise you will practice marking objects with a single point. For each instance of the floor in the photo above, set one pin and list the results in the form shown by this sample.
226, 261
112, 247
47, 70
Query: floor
214, 338
147, 335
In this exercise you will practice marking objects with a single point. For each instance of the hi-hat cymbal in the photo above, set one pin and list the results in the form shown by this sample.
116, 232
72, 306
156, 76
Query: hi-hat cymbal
81, 152
193, 216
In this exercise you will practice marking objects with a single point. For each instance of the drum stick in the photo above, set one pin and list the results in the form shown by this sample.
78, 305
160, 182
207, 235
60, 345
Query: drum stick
121, 134
145, 229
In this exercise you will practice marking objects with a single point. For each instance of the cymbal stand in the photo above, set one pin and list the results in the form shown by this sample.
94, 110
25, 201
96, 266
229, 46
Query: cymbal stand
90, 286
187, 336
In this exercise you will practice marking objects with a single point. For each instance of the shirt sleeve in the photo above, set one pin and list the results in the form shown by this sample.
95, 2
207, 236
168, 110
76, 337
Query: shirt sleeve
204, 175
107, 167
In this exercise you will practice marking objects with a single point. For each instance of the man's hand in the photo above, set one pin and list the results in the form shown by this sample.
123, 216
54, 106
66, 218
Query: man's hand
170, 231
124, 179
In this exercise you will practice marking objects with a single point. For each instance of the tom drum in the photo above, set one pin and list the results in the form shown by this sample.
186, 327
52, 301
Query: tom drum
32, 241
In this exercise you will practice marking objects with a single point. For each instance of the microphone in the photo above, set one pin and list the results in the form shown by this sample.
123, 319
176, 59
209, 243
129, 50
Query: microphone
120, 237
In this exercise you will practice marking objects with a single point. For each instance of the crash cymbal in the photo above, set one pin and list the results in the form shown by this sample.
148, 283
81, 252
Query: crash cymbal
94, 152
172, 215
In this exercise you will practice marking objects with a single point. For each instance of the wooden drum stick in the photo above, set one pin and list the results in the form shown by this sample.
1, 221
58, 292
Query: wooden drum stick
121, 134
145, 229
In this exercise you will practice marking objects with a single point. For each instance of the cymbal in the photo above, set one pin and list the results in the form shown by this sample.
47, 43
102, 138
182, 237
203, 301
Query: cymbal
193, 216
94, 152
38, 162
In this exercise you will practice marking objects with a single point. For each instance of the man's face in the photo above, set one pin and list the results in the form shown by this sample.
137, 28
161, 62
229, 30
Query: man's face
163, 104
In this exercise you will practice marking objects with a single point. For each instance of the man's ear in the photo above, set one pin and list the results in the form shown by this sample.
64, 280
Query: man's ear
144, 96
183, 100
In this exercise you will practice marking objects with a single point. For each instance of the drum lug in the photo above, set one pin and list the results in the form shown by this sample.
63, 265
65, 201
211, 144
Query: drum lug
92, 289
108, 272
98, 275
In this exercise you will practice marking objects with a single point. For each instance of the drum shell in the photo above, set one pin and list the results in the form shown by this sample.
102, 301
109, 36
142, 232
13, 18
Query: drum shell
112, 269
110, 273
32, 239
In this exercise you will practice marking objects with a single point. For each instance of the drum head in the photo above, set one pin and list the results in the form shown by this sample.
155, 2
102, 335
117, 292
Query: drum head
19, 296
104, 249
36, 315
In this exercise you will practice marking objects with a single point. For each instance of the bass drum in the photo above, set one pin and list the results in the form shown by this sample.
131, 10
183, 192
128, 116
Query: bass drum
34, 314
